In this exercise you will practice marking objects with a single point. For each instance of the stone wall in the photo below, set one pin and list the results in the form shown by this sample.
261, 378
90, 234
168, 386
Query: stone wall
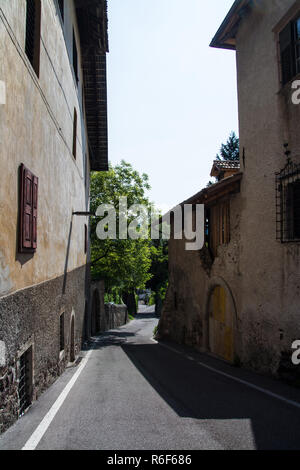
115, 315
105, 317
31, 318
9, 398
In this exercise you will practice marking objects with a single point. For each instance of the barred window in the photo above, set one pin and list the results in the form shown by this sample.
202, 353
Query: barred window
288, 203
25, 381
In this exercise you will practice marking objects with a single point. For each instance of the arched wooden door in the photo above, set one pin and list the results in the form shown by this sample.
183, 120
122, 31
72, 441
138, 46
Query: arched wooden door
221, 324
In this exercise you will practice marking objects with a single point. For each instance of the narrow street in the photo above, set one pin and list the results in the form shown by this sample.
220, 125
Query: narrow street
133, 393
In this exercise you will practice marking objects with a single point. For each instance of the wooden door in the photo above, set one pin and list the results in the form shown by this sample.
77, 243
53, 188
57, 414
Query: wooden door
221, 325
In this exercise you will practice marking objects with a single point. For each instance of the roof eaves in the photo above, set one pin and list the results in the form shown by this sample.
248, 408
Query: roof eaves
93, 27
225, 36
214, 189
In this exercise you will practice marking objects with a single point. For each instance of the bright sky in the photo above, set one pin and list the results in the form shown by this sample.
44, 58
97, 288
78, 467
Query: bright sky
172, 99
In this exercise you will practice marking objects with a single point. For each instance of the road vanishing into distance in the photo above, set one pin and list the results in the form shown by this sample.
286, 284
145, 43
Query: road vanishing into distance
130, 393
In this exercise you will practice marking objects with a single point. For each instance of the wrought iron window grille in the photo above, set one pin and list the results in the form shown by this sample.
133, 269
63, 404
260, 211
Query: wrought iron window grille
288, 203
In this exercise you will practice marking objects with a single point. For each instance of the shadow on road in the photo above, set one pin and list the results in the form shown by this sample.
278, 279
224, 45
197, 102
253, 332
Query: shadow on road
194, 392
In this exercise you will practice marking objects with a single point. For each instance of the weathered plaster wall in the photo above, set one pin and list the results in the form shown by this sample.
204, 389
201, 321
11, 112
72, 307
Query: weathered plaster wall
270, 270
262, 274
190, 286
36, 128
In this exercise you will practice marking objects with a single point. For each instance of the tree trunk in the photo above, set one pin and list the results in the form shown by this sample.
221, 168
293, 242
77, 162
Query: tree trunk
129, 300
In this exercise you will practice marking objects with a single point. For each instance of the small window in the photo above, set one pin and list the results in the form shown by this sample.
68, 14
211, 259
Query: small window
75, 133
33, 33
62, 332
288, 203
75, 58
61, 9
217, 226
85, 239
28, 211
25, 381
289, 40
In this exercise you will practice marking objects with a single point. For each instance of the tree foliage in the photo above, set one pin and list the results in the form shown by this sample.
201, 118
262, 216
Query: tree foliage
159, 264
159, 271
231, 149
123, 264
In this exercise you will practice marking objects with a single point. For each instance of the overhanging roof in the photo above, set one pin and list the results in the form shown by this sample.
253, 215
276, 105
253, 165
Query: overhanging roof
233, 166
208, 196
227, 186
225, 37
93, 26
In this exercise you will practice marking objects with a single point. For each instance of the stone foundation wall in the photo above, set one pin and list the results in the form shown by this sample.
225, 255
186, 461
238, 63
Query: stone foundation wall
31, 318
8, 397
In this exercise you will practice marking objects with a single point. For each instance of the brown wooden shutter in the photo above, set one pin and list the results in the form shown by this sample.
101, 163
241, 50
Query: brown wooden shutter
28, 211
34, 212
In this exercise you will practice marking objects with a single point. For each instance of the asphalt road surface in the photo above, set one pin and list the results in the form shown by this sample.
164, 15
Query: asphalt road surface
131, 393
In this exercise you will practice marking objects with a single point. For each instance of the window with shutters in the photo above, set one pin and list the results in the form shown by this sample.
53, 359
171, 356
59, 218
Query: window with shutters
289, 41
288, 203
33, 33
75, 58
74, 133
28, 211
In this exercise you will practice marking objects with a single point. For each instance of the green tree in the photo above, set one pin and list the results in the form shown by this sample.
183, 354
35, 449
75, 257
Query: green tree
230, 150
123, 264
159, 270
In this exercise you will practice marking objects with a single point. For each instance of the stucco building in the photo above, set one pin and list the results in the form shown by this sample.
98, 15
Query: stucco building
53, 131
239, 298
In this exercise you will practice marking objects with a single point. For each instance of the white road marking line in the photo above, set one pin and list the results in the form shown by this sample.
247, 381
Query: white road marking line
236, 379
40, 431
